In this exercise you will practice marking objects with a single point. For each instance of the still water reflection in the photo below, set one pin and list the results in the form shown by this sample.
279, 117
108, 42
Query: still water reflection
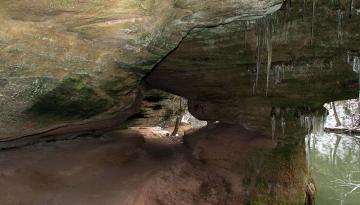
335, 166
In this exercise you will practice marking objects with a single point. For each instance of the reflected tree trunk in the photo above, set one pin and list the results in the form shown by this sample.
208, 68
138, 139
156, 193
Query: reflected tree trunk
338, 139
338, 123
178, 119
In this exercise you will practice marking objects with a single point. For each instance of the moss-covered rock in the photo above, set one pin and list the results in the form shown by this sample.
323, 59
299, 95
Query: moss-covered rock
71, 99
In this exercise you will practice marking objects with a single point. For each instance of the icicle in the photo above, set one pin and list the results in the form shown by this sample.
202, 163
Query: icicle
254, 87
356, 68
317, 125
283, 124
312, 23
273, 127
350, 8
313, 124
259, 48
322, 125
302, 120
308, 139
339, 27
307, 151
308, 124
269, 51
245, 35
356, 64
279, 73
264, 38
303, 10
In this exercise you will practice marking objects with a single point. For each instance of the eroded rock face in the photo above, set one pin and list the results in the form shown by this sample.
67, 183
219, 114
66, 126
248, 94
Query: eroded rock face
66, 61
215, 68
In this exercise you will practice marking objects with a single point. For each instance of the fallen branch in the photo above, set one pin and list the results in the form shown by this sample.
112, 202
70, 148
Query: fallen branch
343, 130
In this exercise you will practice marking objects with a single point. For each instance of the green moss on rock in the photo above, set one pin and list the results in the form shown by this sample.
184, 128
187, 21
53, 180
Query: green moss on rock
71, 99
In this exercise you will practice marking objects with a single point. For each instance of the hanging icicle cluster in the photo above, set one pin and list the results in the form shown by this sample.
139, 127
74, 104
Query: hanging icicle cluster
314, 125
279, 73
354, 60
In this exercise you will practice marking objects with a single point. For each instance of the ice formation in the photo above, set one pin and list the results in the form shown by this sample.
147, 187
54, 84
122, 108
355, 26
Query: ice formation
273, 127
259, 45
269, 51
264, 32
354, 60
283, 124
339, 27
312, 22
356, 64
314, 125
279, 72
350, 8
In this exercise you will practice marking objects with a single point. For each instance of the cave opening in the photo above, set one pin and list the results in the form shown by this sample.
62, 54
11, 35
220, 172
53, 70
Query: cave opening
159, 102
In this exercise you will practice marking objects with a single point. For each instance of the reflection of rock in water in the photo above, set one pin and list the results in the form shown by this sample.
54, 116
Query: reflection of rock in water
223, 165
336, 167
257, 171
